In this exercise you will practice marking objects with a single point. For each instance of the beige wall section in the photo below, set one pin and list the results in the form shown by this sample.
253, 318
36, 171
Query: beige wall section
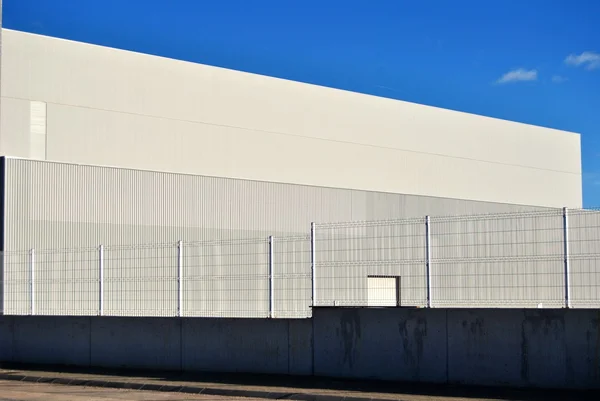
15, 127
37, 130
106, 106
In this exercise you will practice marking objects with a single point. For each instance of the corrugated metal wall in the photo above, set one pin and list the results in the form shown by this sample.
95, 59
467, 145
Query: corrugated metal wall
225, 224
55, 205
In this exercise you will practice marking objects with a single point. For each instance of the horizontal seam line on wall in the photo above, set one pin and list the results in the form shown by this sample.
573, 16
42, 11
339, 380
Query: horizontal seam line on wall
298, 136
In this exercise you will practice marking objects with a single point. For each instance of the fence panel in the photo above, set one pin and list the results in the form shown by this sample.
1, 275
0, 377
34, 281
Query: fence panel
371, 263
584, 258
292, 277
67, 282
226, 278
17, 282
510, 260
507, 260
140, 280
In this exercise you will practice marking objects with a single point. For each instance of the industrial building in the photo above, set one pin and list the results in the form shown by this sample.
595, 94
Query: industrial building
136, 186
79, 103
110, 148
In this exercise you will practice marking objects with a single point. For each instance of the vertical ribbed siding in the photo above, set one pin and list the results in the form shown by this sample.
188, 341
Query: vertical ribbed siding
54, 205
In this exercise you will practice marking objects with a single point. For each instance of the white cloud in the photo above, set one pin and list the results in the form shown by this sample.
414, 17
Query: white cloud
557, 79
517, 75
588, 60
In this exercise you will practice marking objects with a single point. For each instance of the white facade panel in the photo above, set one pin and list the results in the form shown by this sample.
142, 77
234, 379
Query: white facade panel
111, 107
15, 126
382, 291
37, 139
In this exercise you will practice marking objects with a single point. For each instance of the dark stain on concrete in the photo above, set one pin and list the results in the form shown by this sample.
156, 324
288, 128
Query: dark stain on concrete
476, 327
548, 323
412, 334
596, 372
474, 330
524, 353
350, 333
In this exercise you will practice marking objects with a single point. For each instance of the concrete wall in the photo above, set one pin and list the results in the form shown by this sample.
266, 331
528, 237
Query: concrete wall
504, 347
530, 348
75, 102
227, 345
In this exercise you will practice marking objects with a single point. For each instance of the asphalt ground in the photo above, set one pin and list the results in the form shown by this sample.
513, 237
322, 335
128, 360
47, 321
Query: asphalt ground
23, 391
77, 382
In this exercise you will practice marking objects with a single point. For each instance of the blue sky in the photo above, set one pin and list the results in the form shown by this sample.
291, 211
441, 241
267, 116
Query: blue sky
534, 61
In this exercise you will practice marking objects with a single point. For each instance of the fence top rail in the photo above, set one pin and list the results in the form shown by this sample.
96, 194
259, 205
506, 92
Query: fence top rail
369, 223
240, 241
466, 217
157, 245
292, 238
499, 216
585, 211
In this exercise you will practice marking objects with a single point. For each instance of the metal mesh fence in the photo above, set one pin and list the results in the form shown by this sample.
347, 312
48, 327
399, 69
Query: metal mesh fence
548, 259
139, 280
537, 259
226, 278
250, 278
584, 258
291, 277
360, 264
498, 261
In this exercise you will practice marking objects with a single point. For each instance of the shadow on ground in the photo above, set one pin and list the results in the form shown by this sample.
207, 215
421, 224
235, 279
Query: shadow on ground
307, 383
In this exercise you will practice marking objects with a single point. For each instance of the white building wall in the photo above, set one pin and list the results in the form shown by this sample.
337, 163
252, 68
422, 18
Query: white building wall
112, 107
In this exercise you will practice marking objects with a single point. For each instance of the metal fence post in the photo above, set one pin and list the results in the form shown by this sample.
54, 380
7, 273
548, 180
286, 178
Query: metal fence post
566, 256
32, 280
180, 278
271, 279
101, 282
428, 258
313, 263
